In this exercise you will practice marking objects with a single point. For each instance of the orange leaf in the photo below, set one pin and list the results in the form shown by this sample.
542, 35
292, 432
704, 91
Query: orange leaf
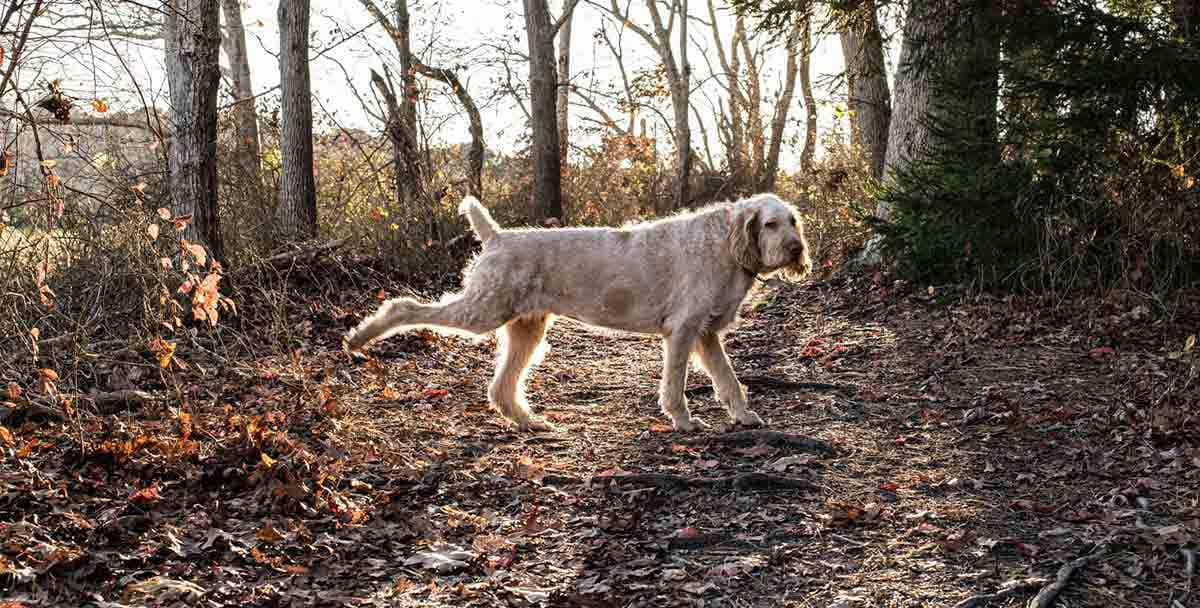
99, 105
6, 436
197, 251
164, 214
49, 374
14, 391
182, 221
145, 495
268, 533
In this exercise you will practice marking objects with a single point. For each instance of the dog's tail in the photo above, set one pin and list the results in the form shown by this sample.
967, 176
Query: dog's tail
481, 221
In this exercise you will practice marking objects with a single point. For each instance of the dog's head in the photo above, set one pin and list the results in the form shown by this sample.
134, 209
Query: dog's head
767, 235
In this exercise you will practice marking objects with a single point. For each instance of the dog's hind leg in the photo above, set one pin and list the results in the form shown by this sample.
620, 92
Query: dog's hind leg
460, 313
521, 345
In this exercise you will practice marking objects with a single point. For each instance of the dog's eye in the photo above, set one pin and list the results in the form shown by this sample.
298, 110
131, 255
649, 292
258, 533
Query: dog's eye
771, 224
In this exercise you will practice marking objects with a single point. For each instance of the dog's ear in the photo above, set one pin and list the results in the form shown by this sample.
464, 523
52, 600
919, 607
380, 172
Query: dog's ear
743, 239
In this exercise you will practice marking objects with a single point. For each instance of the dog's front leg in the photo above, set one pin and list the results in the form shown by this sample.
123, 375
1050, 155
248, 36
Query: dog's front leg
729, 390
677, 348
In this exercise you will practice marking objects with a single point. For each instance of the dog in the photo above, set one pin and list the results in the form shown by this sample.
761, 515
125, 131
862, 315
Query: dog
682, 278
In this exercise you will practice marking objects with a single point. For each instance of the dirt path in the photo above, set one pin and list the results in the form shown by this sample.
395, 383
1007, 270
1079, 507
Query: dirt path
968, 448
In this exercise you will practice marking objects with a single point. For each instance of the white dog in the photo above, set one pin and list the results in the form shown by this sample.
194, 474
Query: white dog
682, 278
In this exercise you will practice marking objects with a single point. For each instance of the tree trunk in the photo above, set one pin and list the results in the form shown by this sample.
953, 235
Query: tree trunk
868, 98
245, 117
944, 41
754, 124
564, 82
679, 99
404, 147
543, 93
193, 75
297, 212
408, 177
796, 46
810, 103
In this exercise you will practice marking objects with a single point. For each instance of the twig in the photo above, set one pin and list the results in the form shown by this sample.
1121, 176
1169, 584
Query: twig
1047, 595
1007, 590
771, 438
741, 481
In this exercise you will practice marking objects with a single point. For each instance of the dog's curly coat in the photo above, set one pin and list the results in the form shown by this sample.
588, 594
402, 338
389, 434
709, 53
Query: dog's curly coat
682, 278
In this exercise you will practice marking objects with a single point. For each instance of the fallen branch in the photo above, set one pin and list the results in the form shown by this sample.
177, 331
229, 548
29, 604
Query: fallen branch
1007, 591
1047, 595
777, 439
109, 402
307, 254
741, 481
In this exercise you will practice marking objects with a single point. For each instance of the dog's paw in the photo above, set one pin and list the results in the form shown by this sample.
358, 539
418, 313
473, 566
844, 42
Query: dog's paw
690, 424
749, 418
354, 351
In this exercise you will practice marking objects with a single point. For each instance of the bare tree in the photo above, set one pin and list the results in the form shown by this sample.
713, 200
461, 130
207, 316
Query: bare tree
297, 211
245, 118
193, 75
564, 78
402, 119
810, 102
753, 162
868, 98
543, 99
797, 46
678, 78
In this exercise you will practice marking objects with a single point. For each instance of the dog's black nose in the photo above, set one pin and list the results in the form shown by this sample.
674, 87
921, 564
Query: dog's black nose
797, 248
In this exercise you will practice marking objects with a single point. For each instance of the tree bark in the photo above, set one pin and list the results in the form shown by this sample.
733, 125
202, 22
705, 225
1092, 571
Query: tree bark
408, 177
679, 99
944, 41
809, 152
193, 74
564, 82
543, 98
796, 46
296, 215
245, 117
868, 97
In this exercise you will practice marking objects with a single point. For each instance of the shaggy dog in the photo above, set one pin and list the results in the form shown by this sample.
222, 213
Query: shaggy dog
682, 278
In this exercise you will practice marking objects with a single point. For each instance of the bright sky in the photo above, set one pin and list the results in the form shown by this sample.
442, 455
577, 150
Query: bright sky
466, 34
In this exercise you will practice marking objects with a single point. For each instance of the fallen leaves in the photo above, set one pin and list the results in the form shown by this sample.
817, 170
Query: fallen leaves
145, 496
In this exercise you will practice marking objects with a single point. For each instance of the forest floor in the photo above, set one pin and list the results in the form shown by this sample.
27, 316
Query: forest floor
923, 447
